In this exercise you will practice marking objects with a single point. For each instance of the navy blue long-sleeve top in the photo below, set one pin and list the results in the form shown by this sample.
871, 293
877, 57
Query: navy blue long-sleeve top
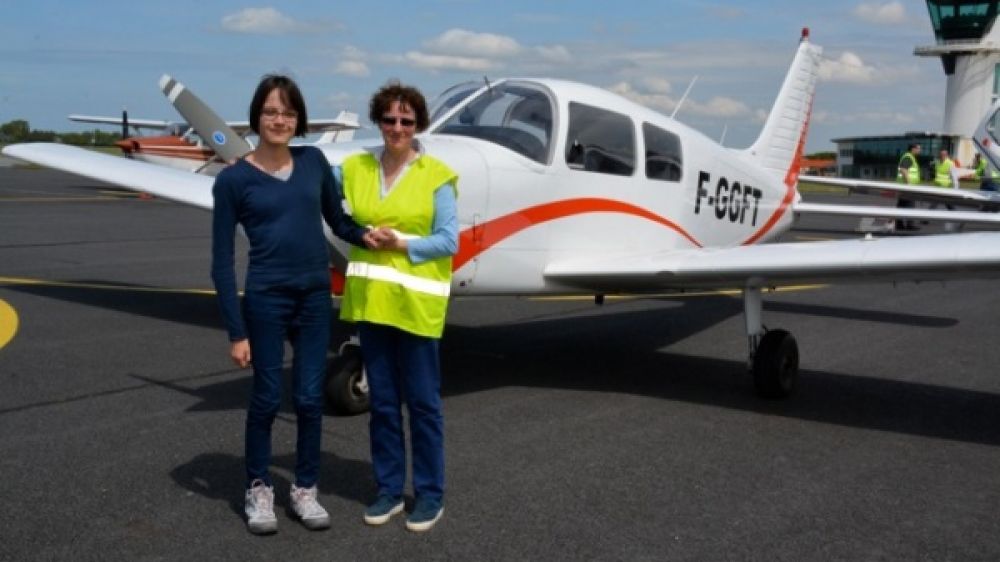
282, 220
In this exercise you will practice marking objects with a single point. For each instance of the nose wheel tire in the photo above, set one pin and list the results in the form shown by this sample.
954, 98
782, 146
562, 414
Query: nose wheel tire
776, 365
346, 385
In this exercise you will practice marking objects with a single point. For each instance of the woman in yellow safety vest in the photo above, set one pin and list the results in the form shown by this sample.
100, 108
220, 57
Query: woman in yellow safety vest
398, 296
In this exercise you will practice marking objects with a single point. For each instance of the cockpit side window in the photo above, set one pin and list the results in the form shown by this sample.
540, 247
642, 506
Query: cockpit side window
514, 115
600, 141
663, 153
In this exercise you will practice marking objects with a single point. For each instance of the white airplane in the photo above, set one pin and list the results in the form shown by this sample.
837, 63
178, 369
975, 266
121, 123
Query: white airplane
179, 146
571, 189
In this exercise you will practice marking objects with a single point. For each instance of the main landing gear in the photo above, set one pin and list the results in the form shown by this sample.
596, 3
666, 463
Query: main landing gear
346, 382
773, 355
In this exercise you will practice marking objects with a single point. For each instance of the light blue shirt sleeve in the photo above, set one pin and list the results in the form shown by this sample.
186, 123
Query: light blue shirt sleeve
443, 239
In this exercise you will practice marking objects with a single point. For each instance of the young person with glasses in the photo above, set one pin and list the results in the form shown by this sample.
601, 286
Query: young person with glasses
280, 195
398, 295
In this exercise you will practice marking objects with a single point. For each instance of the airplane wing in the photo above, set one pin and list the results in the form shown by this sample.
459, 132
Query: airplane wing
916, 258
980, 199
344, 122
168, 183
156, 124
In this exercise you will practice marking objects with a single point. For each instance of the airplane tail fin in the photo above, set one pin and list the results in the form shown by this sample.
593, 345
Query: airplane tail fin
345, 123
782, 140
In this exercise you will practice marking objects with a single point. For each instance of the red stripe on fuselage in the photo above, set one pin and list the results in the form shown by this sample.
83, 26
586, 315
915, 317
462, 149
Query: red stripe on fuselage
477, 239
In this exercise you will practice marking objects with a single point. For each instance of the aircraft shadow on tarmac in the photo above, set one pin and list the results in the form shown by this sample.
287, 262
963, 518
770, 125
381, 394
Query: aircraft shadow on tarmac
604, 352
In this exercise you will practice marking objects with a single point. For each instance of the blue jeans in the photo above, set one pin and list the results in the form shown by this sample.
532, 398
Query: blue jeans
404, 367
302, 316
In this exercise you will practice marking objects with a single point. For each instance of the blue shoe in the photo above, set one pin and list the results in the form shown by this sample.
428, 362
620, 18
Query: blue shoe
384, 507
425, 514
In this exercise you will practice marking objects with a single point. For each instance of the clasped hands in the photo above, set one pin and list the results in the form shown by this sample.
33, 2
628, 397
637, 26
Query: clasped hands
383, 238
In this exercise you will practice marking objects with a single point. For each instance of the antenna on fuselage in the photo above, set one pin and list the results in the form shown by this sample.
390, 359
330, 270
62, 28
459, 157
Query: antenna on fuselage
684, 97
488, 85
722, 138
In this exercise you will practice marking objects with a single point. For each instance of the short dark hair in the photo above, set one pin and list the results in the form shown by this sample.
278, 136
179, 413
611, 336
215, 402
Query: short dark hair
407, 96
290, 94
913, 145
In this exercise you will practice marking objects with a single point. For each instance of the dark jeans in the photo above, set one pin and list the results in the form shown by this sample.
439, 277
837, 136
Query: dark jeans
302, 316
902, 224
403, 367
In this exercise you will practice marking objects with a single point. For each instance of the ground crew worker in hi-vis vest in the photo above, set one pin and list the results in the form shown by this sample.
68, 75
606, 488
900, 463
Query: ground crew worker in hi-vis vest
398, 296
985, 173
909, 173
942, 170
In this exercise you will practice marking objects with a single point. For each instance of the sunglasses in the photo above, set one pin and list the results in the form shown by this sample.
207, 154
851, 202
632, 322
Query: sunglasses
404, 121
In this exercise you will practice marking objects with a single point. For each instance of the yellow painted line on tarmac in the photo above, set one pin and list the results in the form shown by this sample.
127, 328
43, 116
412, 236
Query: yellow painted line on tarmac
56, 199
101, 286
685, 294
815, 238
105, 195
8, 323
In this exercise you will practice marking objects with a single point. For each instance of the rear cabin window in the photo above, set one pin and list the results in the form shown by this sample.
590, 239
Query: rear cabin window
600, 141
663, 153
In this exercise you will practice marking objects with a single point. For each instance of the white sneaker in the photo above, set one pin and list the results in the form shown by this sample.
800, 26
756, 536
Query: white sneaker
307, 509
259, 507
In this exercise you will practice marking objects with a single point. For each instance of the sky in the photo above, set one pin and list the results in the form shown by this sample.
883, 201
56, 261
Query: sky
59, 57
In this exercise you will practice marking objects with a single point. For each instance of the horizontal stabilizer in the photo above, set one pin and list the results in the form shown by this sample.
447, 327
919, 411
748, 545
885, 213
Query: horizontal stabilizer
971, 197
858, 211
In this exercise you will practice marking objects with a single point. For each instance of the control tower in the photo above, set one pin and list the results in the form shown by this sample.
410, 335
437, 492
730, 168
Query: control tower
969, 46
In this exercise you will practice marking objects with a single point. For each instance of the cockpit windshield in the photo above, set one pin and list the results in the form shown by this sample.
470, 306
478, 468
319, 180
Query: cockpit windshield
515, 115
452, 97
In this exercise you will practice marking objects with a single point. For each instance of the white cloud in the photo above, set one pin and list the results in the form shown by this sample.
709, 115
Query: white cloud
657, 101
459, 42
657, 85
448, 62
848, 68
717, 106
877, 12
720, 106
555, 54
352, 68
260, 20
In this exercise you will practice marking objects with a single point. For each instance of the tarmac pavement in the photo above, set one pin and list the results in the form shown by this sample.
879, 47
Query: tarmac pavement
573, 432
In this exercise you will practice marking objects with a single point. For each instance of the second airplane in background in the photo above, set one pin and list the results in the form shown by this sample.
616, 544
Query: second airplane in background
179, 146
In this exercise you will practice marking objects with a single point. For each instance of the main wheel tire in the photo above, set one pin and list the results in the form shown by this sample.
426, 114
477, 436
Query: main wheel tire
343, 377
776, 365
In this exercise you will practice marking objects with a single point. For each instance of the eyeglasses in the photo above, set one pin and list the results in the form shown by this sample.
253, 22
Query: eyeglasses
404, 121
272, 113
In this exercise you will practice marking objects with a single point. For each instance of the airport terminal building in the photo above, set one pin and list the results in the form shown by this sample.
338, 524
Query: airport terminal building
968, 45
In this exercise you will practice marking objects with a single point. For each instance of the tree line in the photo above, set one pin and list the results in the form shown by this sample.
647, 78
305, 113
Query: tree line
20, 130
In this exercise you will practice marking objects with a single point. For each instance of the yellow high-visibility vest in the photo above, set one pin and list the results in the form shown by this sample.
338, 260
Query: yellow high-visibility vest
909, 163
384, 287
942, 173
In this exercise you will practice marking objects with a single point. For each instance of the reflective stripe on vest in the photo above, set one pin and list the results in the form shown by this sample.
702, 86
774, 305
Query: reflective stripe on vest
391, 275
385, 287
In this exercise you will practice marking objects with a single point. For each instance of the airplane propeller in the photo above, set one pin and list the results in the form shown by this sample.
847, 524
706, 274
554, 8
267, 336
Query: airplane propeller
125, 134
228, 145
